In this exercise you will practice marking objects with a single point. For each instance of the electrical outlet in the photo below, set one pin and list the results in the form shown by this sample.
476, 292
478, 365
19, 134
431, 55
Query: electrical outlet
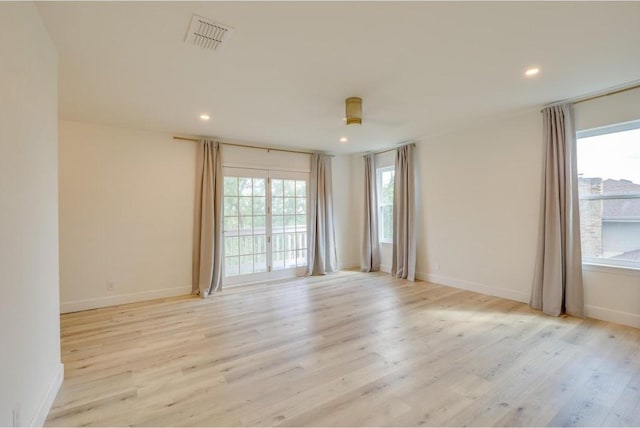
15, 413
111, 286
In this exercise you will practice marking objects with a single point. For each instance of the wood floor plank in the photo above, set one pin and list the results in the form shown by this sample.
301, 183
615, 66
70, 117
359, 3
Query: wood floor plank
351, 349
626, 411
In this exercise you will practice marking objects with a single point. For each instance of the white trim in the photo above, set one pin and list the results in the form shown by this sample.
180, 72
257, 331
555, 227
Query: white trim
348, 265
474, 286
615, 196
244, 166
609, 129
386, 269
121, 299
591, 311
244, 172
261, 277
611, 263
618, 317
47, 401
288, 174
616, 270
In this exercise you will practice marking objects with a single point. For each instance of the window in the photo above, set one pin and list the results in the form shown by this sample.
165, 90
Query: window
265, 223
609, 191
289, 223
245, 233
384, 177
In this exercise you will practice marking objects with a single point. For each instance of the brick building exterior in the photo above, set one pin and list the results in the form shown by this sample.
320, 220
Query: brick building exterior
610, 228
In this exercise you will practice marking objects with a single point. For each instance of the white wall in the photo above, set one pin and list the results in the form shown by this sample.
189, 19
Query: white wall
126, 212
357, 204
619, 108
479, 212
126, 215
30, 368
246, 157
480, 206
346, 212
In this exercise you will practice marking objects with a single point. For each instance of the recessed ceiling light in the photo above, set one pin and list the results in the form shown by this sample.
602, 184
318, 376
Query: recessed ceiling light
204, 117
343, 140
532, 71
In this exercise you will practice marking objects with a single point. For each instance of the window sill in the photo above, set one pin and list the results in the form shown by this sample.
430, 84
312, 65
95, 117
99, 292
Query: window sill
386, 242
605, 268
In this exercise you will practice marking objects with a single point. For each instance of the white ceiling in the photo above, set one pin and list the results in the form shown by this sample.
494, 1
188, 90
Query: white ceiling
422, 69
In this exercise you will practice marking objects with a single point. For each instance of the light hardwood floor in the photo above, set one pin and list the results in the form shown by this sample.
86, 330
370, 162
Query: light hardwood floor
348, 349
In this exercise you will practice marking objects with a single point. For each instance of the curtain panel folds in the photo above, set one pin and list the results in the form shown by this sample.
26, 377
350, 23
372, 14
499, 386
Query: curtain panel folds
403, 264
207, 226
557, 285
322, 256
370, 252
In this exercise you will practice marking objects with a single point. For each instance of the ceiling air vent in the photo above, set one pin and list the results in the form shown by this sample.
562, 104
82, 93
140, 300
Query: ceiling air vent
206, 33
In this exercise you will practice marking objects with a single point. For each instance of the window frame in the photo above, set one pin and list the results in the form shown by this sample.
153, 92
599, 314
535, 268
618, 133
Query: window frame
275, 174
594, 132
379, 172
270, 273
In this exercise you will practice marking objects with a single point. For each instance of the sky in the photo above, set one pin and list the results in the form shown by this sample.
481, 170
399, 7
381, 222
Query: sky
615, 156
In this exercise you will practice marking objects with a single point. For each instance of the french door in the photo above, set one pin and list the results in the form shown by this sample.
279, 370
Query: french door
265, 224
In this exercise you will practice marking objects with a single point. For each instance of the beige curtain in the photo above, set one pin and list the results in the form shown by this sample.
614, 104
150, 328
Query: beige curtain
322, 257
403, 264
207, 229
557, 284
370, 254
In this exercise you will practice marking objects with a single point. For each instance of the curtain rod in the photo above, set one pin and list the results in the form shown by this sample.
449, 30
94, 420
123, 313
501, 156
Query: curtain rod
595, 97
389, 150
617, 91
269, 149
384, 151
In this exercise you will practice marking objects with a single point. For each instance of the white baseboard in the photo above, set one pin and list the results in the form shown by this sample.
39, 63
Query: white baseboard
474, 286
385, 268
121, 299
47, 401
611, 315
348, 265
596, 312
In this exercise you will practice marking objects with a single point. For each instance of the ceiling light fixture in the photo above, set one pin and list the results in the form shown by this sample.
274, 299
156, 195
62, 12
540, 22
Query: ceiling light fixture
343, 140
204, 117
532, 71
353, 110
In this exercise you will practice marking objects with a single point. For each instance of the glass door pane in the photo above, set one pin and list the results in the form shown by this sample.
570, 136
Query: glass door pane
245, 225
265, 224
289, 222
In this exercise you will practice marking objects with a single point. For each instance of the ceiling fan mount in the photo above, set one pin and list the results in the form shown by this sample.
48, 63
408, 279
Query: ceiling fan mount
353, 110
